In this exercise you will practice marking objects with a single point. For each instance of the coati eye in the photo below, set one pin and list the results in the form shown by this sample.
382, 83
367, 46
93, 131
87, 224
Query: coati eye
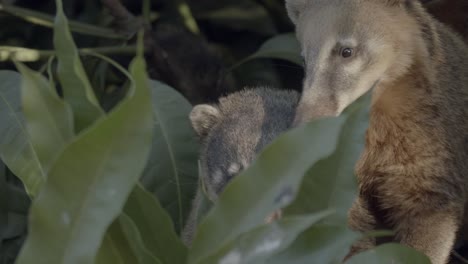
346, 52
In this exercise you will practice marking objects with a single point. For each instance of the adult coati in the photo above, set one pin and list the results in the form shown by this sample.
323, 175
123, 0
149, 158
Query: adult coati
413, 174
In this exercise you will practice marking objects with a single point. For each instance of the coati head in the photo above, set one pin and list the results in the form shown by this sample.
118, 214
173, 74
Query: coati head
235, 130
348, 47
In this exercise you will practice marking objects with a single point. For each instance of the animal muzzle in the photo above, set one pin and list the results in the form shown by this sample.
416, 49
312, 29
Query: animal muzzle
307, 112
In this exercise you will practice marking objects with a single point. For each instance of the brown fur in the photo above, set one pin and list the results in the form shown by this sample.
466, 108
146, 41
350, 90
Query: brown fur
413, 173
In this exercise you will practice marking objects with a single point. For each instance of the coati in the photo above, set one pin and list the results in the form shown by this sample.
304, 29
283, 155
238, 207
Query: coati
233, 132
413, 173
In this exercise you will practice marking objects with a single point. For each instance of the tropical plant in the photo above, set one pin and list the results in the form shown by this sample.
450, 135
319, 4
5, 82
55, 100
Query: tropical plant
114, 184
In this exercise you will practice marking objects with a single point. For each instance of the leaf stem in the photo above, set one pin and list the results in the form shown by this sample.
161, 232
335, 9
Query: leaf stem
27, 55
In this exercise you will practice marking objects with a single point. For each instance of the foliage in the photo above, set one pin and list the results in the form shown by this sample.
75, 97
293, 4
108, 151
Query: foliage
109, 159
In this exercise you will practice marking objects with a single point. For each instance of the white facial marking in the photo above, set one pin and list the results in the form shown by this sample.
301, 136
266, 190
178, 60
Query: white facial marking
233, 168
217, 177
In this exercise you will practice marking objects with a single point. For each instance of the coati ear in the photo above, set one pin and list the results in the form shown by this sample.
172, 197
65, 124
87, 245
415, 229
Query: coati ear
203, 117
294, 8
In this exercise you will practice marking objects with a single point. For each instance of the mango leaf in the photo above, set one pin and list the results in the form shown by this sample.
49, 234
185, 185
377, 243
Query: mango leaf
3, 204
390, 253
269, 184
331, 184
91, 180
255, 246
284, 47
322, 243
123, 244
115, 247
155, 226
135, 241
171, 172
76, 86
16, 148
49, 120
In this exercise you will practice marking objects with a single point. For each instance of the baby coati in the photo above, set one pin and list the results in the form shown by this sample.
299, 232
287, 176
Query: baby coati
233, 132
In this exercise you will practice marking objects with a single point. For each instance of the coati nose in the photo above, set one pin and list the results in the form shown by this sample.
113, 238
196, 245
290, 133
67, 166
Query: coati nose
309, 112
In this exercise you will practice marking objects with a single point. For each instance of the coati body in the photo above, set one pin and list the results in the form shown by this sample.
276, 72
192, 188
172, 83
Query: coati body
233, 132
413, 173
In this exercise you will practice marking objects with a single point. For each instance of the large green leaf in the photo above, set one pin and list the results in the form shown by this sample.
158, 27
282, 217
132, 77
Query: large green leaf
115, 247
16, 149
171, 172
272, 181
331, 184
322, 243
91, 180
136, 243
255, 246
49, 119
284, 47
14, 204
155, 226
269, 184
123, 244
76, 87
390, 253
3, 204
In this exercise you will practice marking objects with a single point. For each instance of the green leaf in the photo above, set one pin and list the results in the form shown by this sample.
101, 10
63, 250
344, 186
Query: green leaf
16, 149
91, 180
284, 47
3, 203
155, 226
278, 170
76, 87
171, 172
136, 242
123, 244
115, 247
390, 253
322, 243
267, 185
331, 184
49, 120
255, 246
